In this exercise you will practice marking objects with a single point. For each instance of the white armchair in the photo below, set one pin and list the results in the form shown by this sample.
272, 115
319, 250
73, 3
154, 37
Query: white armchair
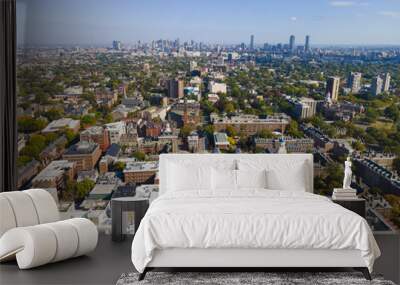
31, 230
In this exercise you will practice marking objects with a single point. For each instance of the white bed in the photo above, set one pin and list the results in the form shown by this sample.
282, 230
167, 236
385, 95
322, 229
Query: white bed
217, 224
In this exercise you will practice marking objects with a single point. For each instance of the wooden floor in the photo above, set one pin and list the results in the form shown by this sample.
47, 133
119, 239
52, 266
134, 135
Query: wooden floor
103, 266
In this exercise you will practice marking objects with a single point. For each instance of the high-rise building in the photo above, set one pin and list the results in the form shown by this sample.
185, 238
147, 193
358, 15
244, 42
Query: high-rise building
230, 57
117, 45
192, 65
307, 45
252, 42
332, 88
386, 85
175, 88
376, 86
303, 107
177, 43
354, 82
292, 43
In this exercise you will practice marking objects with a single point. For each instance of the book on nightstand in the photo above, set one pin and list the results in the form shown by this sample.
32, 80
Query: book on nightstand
344, 194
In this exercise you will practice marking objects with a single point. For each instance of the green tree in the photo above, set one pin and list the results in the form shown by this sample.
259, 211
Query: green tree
293, 130
185, 131
69, 134
119, 166
108, 118
229, 108
88, 120
231, 131
359, 146
34, 146
68, 192
53, 114
231, 141
265, 134
23, 160
139, 155
50, 137
321, 187
392, 112
334, 179
41, 98
27, 124
371, 115
83, 188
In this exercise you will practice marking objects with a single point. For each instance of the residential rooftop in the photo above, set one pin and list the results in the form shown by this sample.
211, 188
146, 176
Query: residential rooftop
57, 125
54, 169
113, 150
101, 190
95, 130
252, 119
82, 148
141, 166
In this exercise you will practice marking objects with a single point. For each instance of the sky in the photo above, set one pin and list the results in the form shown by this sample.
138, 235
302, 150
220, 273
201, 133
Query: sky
99, 22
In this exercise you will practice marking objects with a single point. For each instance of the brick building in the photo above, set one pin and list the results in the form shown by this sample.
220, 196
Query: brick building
97, 135
140, 172
54, 175
85, 154
250, 124
292, 145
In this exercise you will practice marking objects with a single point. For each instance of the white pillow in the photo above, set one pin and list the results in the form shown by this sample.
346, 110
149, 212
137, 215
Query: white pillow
290, 179
183, 177
224, 179
282, 174
251, 179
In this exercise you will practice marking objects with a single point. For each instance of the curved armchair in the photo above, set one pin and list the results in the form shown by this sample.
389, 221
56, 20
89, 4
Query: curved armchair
31, 232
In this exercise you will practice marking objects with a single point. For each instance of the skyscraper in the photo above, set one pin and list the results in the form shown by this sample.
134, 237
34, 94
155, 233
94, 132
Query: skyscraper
354, 82
252, 42
332, 88
175, 88
292, 43
386, 85
307, 45
376, 86
117, 45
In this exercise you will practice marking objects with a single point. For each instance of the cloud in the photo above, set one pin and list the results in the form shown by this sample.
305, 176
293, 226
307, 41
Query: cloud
342, 3
391, 14
294, 19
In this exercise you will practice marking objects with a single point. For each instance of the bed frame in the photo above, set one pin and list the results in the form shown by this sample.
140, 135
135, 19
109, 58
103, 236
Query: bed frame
240, 259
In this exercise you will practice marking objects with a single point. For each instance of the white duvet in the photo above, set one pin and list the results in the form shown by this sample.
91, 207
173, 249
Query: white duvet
250, 219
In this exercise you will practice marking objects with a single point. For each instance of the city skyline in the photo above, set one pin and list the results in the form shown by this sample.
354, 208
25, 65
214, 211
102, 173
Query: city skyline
98, 22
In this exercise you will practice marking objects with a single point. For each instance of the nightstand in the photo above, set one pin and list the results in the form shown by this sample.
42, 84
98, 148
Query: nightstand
126, 213
358, 205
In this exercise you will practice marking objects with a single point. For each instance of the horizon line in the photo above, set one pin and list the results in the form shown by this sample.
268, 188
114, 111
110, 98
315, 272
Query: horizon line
109, 44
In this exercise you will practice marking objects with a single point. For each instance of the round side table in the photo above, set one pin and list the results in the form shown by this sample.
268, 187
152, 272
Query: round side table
123, 210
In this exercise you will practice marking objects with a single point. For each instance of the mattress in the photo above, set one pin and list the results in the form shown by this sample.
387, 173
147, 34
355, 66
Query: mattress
250, 219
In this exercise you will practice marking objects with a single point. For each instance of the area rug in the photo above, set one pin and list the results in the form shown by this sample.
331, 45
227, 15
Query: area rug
243, 278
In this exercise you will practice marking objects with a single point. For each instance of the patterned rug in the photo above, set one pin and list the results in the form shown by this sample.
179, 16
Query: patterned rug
243, 278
